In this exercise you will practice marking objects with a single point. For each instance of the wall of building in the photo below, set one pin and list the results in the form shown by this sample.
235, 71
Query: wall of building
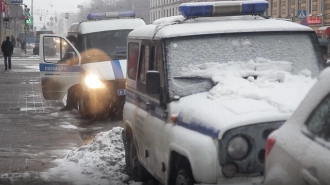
167, 8
289, 9
286, 9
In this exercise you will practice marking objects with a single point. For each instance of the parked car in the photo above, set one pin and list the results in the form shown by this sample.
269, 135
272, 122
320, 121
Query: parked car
98, 77
205, 89
298, 153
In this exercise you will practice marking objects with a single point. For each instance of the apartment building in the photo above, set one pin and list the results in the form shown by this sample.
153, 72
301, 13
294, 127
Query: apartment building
286, 9
167, 8
289, 9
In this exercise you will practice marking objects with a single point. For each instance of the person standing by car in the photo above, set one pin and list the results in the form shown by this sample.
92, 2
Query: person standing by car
7, 49
73, 96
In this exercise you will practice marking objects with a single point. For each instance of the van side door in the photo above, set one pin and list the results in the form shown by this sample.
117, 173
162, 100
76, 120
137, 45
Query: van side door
59, 66
135, 115
153, 111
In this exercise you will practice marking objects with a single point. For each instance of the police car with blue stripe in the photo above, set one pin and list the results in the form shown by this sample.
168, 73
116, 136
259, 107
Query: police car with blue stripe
93, 69
205, 89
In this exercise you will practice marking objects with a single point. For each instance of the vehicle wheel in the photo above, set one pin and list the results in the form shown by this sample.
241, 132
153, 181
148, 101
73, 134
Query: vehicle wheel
126, 148
84, 107
183, 177
137, 170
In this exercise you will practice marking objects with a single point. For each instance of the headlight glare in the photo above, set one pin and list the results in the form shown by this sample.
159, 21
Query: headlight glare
237, 147
93, 82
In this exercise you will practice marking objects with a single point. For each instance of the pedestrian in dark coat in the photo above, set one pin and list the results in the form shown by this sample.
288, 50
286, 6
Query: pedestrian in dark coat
23, 44
7, 49
18, 41
13, 40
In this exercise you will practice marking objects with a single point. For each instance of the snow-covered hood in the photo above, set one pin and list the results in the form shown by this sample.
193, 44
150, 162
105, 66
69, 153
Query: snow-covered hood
242, 97
107, 70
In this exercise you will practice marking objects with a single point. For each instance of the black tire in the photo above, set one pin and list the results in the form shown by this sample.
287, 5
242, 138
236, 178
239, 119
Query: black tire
137, 171
184, 177
126, 147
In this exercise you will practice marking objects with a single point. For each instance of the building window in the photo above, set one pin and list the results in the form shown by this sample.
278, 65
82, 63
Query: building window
320, 6
310, 7
289, 8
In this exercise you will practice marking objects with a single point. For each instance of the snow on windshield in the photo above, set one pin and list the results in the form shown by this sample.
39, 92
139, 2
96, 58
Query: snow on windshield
100, 162
294, 53
262, 80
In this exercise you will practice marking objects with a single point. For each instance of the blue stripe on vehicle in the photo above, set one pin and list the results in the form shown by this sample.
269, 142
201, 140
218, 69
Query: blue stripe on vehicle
140, 102
60, 68
194, 124
117, 71
198, 126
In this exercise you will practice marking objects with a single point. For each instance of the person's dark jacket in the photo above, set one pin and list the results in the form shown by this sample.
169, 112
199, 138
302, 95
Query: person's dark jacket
7, 47
23, 44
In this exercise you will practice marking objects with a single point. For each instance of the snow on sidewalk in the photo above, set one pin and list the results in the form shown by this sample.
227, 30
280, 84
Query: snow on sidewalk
100, 162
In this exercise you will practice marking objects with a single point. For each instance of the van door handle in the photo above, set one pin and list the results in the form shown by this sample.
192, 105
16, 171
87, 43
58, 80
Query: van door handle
309, 178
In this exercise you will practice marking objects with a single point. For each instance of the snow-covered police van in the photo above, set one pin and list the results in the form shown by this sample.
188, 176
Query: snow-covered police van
205, 89
94, 67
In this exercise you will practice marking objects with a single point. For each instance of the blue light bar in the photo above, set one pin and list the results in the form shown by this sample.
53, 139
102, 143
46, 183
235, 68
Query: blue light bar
105, 15
223, 8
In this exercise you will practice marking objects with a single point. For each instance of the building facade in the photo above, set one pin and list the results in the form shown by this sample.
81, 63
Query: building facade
290, 9
167, 8
282, 9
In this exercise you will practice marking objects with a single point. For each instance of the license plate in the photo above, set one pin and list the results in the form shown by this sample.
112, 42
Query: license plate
121, 92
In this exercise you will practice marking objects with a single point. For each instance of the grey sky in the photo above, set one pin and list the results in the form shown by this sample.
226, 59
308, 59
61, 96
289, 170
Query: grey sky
56, 5
47, 9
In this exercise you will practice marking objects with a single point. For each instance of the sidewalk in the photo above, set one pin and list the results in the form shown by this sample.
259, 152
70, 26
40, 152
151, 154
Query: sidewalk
19, 53
33, 132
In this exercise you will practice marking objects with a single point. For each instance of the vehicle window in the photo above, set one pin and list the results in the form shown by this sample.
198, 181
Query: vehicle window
110, 43
213, 52
144, 66
58, 50
157, 62
133, 58
319, 121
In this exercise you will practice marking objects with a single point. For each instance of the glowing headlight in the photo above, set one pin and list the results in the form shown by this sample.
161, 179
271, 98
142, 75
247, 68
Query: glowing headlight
93, 82
237, 147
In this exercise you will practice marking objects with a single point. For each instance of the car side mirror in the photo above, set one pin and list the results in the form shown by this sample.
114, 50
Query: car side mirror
153, 82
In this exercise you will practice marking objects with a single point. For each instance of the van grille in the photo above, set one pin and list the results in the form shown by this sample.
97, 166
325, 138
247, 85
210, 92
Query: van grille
257, 137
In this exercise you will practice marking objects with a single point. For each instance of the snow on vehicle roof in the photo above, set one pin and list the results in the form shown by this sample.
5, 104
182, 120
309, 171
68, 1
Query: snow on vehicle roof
177, 26
109, 24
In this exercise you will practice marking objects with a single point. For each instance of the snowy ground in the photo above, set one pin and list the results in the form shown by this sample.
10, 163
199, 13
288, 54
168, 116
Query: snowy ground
100, 162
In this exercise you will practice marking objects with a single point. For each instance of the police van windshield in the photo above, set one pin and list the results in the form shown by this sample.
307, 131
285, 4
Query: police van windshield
112, 43
187, 56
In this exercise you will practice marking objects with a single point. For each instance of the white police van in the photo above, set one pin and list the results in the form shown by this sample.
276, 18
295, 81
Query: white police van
97, 68
205, 89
